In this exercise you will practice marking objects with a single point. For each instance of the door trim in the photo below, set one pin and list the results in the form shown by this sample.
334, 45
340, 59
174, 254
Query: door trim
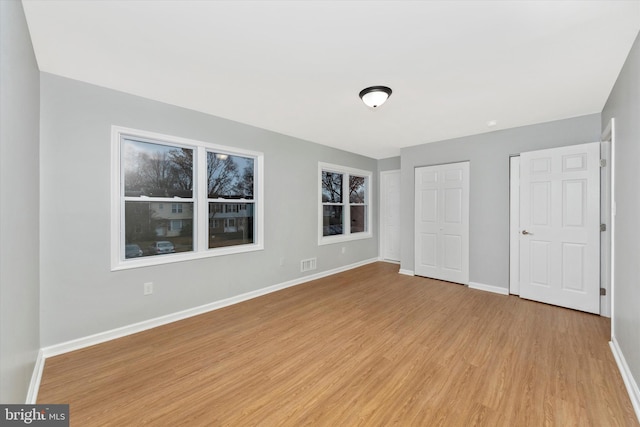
608, 212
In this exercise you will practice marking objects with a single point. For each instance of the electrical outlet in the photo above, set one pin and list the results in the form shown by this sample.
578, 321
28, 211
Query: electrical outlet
148, 288
344, 249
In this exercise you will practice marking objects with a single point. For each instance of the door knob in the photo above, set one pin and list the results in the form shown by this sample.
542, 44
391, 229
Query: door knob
525, 232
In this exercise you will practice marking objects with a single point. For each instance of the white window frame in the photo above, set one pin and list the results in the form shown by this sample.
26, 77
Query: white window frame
199, 200
346, 218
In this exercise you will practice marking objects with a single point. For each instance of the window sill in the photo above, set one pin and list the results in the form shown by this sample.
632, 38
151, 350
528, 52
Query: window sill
340, 238
180, 257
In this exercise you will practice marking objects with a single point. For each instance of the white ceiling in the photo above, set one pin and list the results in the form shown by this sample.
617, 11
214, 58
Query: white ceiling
296, 67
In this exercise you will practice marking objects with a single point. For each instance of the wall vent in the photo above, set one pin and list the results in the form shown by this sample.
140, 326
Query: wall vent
308, 264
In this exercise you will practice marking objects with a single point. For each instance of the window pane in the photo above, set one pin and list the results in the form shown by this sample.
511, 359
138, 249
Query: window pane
358, 218
150, 230
357, 189
331, 220
156, 170
230, 224
229, 177
331, 188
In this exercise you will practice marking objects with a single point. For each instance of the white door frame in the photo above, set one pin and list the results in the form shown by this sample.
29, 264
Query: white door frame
608, 215
382, 225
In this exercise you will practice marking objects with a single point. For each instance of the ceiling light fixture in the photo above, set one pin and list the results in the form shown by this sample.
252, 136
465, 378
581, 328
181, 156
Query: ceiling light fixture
375, 96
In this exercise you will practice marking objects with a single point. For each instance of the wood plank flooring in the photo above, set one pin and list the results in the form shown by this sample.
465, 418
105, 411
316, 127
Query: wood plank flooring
367, 347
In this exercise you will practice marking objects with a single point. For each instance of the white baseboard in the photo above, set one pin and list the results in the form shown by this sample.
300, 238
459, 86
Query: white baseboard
101, 337
34, 385
489, 288
627, 377
406, 272
390, 261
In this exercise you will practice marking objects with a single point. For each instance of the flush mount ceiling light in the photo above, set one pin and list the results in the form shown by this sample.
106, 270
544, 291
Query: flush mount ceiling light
375, 96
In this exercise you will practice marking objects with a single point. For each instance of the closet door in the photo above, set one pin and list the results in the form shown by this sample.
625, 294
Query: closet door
442, 222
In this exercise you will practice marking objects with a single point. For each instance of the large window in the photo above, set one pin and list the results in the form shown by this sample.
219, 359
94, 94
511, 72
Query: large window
345, 196
176, 199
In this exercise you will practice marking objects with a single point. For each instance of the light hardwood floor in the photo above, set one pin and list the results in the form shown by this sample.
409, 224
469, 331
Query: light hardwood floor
366, 347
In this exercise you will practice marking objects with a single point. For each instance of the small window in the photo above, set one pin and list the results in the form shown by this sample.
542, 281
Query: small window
344, 204
212, 193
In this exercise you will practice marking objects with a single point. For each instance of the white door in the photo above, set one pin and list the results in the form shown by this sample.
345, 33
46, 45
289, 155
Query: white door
442, 222
390, 215
560, 226
514, 225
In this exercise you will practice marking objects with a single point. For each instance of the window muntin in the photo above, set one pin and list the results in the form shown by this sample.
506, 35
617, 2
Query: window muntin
344, 199
164, 189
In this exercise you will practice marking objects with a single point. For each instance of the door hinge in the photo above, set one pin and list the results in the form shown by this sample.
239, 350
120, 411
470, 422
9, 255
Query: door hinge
603, 227
603, 291
603, 163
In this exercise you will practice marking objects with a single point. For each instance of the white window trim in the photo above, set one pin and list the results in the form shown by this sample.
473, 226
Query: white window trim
200, 200
347, 235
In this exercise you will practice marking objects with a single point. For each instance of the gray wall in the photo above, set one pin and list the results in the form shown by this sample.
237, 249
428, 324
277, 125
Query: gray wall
19, 272
624, 105
389, 164
81, 296
489, 193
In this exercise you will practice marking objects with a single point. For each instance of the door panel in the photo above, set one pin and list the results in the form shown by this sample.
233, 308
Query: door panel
560, 226
573, 267
573, 203
452, 253
453, 205
429, 206
540, 203
442, 222
429, 251
539, 263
